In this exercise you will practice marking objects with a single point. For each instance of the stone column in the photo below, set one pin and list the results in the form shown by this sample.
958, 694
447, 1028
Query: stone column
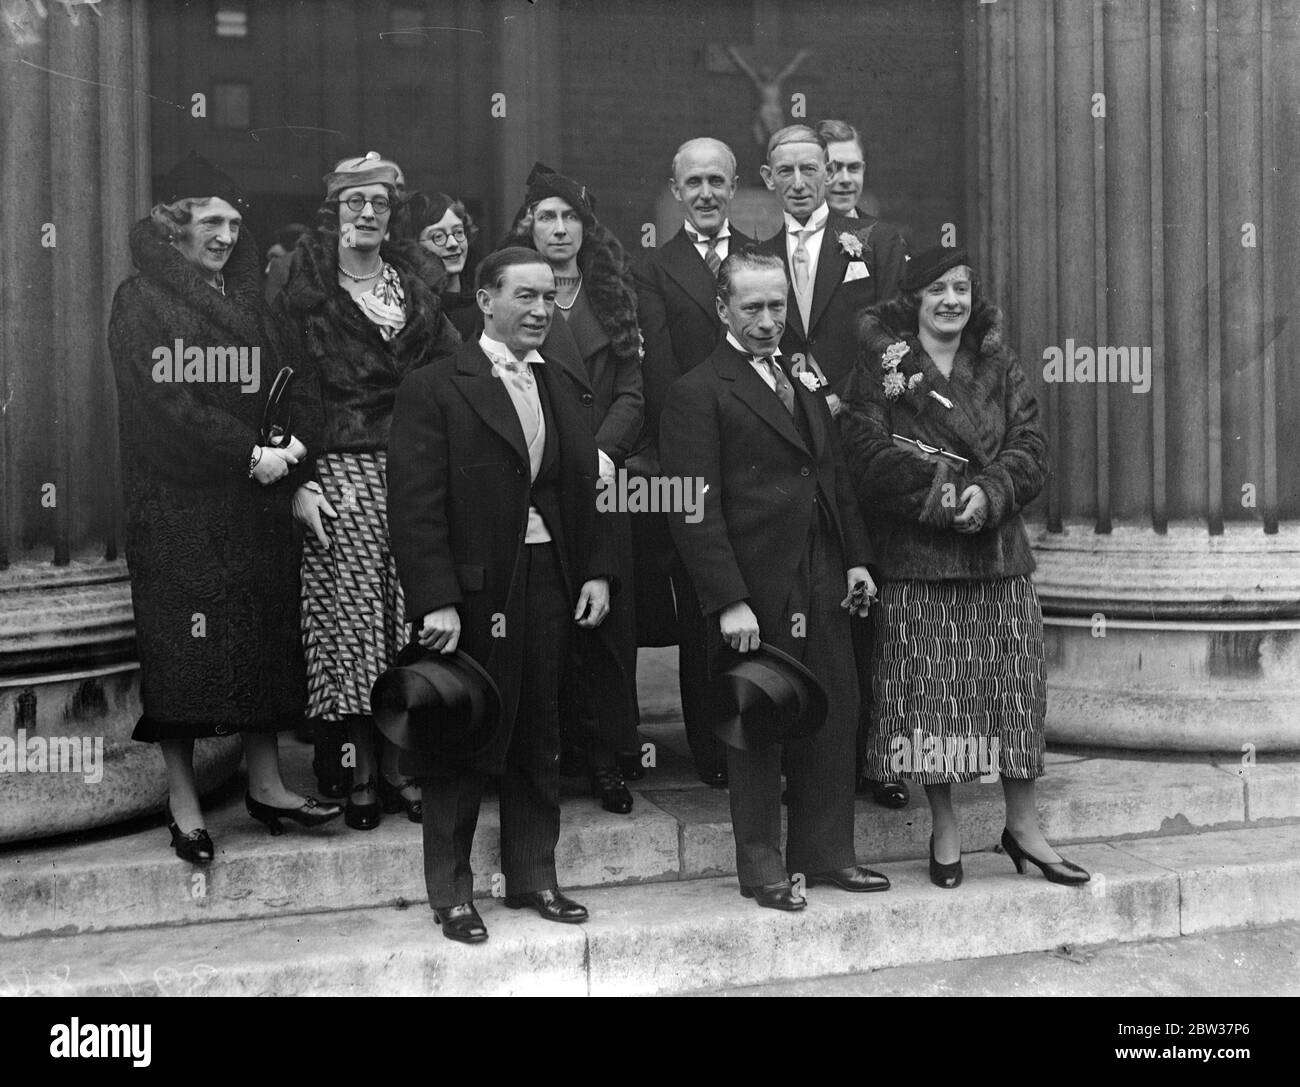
75, 169
1129, 192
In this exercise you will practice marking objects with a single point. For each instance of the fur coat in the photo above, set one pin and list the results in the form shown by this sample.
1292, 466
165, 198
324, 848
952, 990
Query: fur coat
908, 503
212, 553
356, 370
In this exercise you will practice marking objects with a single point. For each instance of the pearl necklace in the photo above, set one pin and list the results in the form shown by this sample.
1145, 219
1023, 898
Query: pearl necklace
573, 301
362, 279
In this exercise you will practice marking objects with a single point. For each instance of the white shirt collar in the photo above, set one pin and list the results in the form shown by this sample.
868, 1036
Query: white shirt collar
495, 349
731, 339
701, 239
816, 220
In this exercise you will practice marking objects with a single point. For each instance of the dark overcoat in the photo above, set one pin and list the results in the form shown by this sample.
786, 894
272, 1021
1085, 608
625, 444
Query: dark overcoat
993, 422
830, 337
458, 496
723, 423
212, 553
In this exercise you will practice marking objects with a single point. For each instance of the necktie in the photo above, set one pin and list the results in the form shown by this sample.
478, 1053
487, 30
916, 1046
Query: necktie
521, 377
783, 387
711, 257
801, 261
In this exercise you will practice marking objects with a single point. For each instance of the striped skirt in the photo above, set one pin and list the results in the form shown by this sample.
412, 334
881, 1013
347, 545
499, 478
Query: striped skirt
958, 682
353, 621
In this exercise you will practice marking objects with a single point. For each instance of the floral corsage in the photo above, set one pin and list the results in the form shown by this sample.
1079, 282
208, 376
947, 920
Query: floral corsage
811, 381
850, 245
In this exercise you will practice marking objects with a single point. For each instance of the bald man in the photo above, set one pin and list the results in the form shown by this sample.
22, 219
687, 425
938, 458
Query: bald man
676, 286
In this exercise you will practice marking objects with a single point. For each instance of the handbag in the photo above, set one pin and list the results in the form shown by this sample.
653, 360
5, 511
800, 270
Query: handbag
277, 418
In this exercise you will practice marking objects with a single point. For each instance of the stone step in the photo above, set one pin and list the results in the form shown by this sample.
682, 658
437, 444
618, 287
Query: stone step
693, 935
128, 877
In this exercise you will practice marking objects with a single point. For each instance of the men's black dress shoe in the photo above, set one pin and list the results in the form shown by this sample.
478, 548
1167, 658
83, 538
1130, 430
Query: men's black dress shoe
608, 787
888, 794
856, 877
551, 904
715, 779
775, 896
461, 923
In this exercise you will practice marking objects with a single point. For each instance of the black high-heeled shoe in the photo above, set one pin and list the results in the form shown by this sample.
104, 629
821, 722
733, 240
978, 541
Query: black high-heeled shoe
392, 800
946, 876
1064, 871
312, 813
363, 816
195, 847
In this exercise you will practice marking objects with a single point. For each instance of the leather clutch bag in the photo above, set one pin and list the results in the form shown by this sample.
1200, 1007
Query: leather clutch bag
276, 417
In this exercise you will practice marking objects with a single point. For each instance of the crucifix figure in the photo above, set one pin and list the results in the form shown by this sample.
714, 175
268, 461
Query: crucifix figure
769, 116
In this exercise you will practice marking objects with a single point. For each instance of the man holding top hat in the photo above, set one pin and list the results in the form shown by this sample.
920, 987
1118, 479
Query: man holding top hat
778, 559
500, 551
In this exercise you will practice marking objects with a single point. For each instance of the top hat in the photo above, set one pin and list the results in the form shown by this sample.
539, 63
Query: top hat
442, 704
765, 697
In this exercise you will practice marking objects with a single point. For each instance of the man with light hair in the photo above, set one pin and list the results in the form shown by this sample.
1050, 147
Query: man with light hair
675, 287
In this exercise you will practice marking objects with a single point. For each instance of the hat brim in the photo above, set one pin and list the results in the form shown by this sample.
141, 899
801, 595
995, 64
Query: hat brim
401, 719
759, 725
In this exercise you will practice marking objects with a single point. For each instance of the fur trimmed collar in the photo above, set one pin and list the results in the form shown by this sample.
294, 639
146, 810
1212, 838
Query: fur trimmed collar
883, 325
163, 265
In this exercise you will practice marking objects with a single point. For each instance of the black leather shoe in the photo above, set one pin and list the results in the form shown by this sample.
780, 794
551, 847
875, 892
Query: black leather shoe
195, 847
608, 787
715, 779
775, 896
392, 800
888, 794
363, 816
946, 876
311, 814
461, 923
332, 777
856, 877
1061, 871
551, 904
629, 765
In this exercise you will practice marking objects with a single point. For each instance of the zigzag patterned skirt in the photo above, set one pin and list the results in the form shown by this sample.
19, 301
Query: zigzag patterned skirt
353, 619
959, 683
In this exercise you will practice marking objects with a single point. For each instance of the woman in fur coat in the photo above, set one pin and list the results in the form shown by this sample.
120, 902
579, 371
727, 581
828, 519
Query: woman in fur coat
595, 338
958, 675
209, 535
364, 317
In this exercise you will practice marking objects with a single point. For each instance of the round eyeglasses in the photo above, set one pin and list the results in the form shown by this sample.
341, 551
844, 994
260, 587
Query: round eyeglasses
356, 202
441, 237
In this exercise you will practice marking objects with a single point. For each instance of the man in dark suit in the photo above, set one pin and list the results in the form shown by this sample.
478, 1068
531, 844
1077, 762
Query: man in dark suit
676, 290
491, 503
837, 266
773, 551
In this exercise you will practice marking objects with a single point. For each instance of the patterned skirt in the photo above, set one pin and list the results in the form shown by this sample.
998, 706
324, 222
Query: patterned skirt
959, 683
353, 620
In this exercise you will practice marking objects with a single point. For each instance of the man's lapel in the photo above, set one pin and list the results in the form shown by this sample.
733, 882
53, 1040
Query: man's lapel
682, 261
793, 318
488, 397
831, 266
752, 390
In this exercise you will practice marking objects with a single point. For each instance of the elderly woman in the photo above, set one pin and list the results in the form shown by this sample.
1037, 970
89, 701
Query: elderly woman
596, 339
364, 318
941, 434
209, 534
442, 227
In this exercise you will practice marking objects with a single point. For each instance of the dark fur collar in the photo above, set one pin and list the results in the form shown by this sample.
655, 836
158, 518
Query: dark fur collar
237, 311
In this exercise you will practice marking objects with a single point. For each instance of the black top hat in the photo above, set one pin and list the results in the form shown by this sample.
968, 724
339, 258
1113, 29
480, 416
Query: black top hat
765, 697
442, 704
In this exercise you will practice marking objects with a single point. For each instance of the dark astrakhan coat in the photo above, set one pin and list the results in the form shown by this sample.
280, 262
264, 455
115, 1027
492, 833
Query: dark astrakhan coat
212, 553
993, 422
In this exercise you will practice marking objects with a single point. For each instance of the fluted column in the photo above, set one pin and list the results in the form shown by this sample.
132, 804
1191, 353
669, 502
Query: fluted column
74, 170
1130, 195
